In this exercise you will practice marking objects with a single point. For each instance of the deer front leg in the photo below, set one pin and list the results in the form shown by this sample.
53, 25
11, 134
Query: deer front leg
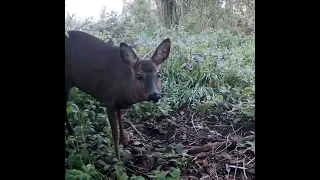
114, 128
123, 139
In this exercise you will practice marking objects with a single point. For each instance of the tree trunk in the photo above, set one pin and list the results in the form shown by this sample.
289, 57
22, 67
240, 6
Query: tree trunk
167, 10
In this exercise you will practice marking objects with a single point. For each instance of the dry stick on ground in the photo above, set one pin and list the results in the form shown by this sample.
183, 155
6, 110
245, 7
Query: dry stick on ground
250, 161
234, 132
227, 141
136, 130
219, 145
244, 171
174, 135
216, 145
193, 123
135, 170
235, 171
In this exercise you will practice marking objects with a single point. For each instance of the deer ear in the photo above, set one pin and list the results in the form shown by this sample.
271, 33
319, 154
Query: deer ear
127, 54
162, 52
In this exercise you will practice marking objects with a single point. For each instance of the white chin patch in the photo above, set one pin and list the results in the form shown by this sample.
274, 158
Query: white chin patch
157, 103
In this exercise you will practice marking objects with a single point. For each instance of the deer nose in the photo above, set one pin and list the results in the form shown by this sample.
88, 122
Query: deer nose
155, 97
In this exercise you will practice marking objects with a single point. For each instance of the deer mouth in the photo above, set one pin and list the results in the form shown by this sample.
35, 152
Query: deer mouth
157, 103
154, 97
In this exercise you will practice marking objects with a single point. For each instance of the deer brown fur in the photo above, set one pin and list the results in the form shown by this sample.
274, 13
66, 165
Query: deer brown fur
115, 76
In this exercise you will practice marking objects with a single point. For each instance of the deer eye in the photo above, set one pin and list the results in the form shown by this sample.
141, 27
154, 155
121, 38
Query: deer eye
158, 74
139, 77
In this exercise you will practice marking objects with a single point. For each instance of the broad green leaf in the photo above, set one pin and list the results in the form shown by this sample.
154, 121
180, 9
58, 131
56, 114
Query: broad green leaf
248, 113
137, 178
179, 148
219, 98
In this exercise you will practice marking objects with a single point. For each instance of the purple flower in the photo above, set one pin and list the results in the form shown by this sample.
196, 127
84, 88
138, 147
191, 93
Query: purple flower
204, 38
198, 58
179, 42
220, 57
153, 43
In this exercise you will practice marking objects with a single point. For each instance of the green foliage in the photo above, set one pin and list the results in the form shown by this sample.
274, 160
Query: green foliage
77, 175
214, 56
174, 174
196, 62
210, 71
86, 173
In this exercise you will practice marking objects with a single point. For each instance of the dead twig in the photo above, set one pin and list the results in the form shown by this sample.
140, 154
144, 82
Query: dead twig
237, 167
193, 123
136, 171
250, 161
235, 171
174, 135
219, 145
244, 171
234, 132
136, 130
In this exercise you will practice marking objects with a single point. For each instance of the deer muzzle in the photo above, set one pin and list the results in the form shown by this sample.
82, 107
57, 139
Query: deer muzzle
155, 97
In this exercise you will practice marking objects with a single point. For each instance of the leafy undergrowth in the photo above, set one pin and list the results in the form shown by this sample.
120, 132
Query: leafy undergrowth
182, 145
211, 75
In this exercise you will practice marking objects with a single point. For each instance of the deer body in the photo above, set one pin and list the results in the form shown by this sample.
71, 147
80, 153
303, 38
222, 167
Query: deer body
96, 68
114, 76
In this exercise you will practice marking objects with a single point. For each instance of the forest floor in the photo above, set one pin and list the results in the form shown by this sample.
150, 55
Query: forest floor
216, 147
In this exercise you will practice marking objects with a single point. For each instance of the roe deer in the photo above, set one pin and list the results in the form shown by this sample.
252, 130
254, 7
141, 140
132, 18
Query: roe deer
115, 76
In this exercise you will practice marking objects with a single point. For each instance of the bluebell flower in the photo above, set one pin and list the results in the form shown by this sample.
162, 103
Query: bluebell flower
220, 57
153, 43
198, 58
188, 41
204, 38
179, 42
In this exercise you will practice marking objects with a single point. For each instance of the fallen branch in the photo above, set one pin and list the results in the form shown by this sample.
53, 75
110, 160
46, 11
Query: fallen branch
219, 145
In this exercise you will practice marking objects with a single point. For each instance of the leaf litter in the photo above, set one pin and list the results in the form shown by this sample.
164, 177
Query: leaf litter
213, 147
